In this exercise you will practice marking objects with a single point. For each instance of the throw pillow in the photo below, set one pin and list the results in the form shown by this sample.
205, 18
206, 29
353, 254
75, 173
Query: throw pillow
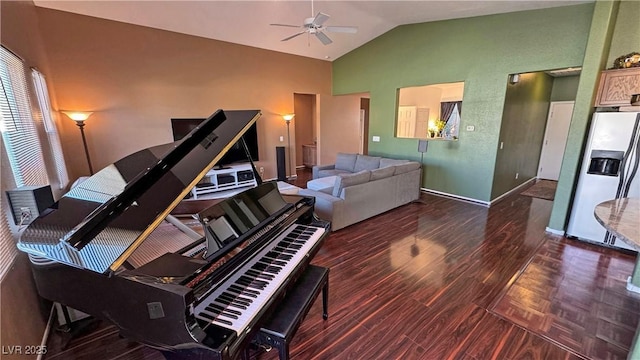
382, 173
384, 162
345, 162
343, 181
364, 162
405, 168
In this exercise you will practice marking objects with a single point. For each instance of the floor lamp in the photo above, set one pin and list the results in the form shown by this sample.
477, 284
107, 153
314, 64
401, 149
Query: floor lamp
79, 117
287, 118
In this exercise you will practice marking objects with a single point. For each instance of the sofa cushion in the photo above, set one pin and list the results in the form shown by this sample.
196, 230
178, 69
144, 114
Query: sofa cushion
323, 184
365, 162
346, 162
382, 173
343, 181
405, 168
331, 172
385, 162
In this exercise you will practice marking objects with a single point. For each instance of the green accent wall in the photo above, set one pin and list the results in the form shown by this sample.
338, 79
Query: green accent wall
482, 52
626, 34
523, 123
565, 88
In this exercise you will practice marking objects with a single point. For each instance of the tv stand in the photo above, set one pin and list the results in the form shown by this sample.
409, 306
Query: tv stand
226, 181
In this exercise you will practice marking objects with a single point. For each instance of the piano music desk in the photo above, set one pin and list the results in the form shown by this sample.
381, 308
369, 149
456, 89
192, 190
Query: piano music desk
279, 329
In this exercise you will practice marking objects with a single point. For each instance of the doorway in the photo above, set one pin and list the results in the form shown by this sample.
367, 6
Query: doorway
555, 139
364, 126
304, 106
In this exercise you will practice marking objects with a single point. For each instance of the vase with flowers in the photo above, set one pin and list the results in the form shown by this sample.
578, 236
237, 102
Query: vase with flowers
439, 125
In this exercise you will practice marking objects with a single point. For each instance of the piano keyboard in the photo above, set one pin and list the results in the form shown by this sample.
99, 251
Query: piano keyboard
234, 304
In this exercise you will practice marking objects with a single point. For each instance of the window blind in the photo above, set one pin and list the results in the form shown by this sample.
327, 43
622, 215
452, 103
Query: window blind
53, 137
8, 250
18, 128
22, 162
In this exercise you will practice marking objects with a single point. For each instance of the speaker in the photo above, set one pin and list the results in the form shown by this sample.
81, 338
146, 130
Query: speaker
422, 146
29, 199
281, 162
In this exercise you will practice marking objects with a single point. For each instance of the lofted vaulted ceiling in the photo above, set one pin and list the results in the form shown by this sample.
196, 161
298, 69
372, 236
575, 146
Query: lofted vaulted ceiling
247, 22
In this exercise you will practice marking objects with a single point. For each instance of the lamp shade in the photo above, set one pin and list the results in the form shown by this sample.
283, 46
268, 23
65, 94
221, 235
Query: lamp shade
288, 117
78, 115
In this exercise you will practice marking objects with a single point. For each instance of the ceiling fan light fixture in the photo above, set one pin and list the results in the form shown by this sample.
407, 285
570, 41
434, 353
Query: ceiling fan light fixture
314, 26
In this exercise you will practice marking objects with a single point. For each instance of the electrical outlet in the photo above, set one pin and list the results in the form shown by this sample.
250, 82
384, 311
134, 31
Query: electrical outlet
281, 138
501, 145
471, 128
517, 175
261, 170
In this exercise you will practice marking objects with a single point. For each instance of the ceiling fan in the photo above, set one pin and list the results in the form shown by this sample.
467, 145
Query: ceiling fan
315, 26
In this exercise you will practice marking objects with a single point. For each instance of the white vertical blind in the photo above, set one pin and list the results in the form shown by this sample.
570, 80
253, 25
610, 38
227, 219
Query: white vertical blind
8, 250
20, 143
53, 137
17, 126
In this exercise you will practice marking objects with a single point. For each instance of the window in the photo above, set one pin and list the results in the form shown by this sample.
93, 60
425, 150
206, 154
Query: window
8, 248
55, 146
20, 140
18, 128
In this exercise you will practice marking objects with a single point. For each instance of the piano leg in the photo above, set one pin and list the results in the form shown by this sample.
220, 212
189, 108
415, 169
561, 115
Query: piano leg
325, 300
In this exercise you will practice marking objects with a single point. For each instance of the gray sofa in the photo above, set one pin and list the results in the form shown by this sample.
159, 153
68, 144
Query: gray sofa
358, 187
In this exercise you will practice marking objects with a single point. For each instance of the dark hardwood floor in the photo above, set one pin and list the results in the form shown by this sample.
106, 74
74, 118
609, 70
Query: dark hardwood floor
445, 279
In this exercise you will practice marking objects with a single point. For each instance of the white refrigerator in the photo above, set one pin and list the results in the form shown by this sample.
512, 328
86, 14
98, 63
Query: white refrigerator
609, 170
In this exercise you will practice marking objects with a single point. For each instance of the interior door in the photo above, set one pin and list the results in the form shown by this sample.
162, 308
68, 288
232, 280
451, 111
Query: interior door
406, 121
555, 139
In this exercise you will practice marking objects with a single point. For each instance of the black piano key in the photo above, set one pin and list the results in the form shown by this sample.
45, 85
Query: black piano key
215, 306
276, 262
284, 250
249, 283
207, 316
244, 291
236, 299
226, 322
260, 275
219, 311
228, 303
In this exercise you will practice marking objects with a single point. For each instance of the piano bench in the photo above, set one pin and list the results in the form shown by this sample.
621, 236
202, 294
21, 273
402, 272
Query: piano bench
279, 329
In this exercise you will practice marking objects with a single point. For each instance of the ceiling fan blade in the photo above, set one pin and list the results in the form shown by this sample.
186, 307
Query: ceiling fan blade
320, 19
342, 29
323, 38
292, 36
286, 25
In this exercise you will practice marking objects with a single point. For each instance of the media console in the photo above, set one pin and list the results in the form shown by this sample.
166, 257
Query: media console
225, 182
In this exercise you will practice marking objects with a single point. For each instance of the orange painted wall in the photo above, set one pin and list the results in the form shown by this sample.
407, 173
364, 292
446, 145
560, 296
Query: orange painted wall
136, 79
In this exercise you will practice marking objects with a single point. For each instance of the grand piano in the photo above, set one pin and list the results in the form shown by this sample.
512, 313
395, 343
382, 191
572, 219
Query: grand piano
203, 301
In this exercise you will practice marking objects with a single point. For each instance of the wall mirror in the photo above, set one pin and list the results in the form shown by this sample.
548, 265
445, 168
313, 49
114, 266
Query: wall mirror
430, 111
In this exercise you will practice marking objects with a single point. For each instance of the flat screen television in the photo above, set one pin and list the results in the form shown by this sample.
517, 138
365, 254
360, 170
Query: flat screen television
236, 154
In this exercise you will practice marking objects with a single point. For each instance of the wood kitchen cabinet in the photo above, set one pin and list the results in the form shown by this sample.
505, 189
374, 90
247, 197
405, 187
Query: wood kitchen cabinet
309, 155
617, 86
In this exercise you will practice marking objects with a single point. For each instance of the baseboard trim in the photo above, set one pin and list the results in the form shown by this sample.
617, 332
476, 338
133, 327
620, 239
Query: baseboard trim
512, 191
455, 197
554, 231
476, 201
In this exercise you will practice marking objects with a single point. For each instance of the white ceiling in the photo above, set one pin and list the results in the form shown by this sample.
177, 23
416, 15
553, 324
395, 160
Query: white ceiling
247, 22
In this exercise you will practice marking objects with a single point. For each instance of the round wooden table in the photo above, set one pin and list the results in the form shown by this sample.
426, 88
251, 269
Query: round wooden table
621, 217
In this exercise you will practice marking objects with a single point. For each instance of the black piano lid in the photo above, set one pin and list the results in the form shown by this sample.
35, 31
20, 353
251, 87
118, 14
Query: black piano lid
99, 223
